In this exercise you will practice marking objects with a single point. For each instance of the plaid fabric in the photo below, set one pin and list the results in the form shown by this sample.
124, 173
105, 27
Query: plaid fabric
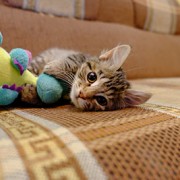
64, 143
70, 8
103, 10
152, 15
158, 16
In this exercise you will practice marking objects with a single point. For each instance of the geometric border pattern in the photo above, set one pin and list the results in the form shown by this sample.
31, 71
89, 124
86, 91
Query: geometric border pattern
43, 154
11, 164
48, 149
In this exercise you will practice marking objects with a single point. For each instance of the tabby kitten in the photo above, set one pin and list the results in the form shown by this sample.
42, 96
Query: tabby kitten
96, 83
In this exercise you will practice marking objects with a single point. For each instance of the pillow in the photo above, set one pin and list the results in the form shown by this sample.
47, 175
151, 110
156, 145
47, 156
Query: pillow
54, 7
158, 16
120, 11
151, 15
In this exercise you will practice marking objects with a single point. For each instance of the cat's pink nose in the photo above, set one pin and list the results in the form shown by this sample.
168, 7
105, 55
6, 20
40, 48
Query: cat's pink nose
82, 95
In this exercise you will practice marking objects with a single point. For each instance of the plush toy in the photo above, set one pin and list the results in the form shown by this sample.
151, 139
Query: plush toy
14, 75
49, 89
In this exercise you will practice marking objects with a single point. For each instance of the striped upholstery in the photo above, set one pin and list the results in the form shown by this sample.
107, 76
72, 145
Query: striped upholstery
70, 8
152, 15
158, 16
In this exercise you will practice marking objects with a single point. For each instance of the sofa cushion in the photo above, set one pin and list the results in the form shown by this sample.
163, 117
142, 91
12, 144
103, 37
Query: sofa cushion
62, 142
153, 54
158, 16
151, 15
103, 10
117, 11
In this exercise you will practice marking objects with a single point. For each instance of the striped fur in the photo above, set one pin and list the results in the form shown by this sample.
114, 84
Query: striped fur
38, 63
109, 84
109, 88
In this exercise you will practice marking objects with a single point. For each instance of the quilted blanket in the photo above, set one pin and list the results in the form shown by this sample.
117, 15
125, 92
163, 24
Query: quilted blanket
64, 143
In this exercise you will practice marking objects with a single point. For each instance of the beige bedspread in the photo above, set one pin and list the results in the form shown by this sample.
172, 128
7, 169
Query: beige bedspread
64, 143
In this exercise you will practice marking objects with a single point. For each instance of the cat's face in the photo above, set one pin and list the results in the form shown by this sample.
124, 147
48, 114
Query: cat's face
97, 88
100, 83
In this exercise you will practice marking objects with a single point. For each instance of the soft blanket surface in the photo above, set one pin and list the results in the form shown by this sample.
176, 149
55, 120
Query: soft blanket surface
62, 142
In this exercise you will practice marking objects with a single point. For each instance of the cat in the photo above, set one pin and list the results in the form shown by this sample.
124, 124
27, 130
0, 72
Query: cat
95, 83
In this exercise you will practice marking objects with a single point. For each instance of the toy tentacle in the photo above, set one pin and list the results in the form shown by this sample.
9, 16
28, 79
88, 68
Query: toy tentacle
12, 87
7, 96
1, 38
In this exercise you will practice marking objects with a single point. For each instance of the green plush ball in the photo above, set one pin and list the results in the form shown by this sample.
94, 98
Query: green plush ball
49, 89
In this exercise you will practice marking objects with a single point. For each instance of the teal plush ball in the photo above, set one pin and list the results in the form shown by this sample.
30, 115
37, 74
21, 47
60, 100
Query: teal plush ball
7, 96
49, 89
19, 59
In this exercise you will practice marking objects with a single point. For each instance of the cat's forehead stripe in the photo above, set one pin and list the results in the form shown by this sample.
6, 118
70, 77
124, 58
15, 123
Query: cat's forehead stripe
100, 72
89, 65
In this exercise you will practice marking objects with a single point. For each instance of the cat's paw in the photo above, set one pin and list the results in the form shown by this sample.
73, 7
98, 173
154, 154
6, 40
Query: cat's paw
51, 69
33, 69
29, 95
36, 66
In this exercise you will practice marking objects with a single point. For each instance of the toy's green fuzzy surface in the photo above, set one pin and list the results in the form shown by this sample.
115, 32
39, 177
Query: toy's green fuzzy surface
13, 70
7, 96
49, 89
9, 75
14, 73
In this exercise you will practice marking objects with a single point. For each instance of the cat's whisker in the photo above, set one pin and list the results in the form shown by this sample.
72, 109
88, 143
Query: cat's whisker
69, 80
67, 77
136, 68
66, 80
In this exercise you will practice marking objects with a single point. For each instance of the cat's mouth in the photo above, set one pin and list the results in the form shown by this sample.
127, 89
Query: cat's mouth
83, 104
79, 99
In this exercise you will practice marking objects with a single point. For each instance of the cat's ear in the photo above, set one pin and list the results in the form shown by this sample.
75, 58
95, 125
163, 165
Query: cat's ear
117, 55
133, 97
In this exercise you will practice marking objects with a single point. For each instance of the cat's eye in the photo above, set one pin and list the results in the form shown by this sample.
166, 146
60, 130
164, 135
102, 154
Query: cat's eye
92, 77
101, 100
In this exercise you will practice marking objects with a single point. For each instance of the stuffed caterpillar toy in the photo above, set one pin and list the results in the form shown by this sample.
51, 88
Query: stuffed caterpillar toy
14, 75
